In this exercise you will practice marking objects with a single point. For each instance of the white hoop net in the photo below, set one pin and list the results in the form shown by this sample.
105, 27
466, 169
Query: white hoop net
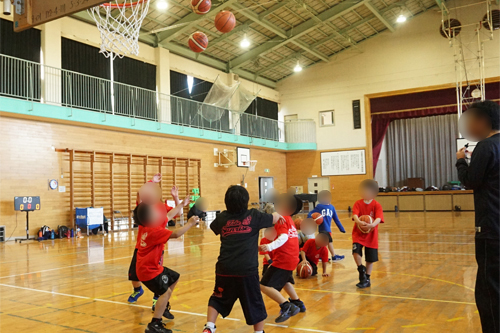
120, 31
251, 165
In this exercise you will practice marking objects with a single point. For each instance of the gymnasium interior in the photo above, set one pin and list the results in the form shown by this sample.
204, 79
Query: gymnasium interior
297, 95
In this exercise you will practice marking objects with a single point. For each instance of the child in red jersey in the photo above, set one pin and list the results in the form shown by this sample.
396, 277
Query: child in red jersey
153, 236
314, 250
132, 276
368, 190
269, 236
285, 259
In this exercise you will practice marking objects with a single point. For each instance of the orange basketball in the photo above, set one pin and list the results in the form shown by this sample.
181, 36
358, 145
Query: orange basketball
201, 7
225, 21
304, 271
368, 219
297, 222
198, 42
317, 217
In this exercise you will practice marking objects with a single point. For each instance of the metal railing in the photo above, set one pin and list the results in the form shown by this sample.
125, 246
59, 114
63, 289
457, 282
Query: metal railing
44, 84
301, 130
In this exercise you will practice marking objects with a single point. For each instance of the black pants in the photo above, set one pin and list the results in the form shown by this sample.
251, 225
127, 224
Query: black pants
487, 284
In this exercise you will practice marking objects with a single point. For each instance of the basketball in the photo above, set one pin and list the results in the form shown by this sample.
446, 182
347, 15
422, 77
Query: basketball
201, 7
367, 219
198, 42
304, 270
318, 218
297, 222
225, 21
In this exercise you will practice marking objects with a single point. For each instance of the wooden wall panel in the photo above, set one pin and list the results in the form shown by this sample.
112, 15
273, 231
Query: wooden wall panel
28, 162
302, 165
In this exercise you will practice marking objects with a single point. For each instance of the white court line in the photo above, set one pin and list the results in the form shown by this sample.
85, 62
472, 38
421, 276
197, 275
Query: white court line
148, 307
96, 262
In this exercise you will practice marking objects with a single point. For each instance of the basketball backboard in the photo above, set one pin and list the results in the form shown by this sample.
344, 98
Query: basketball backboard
242, 157
30, 13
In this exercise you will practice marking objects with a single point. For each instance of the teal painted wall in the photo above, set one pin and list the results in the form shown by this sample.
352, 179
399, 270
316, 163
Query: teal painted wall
23, 107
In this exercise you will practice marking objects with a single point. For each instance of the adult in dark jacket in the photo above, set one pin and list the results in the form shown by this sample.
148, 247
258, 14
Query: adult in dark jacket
481, 122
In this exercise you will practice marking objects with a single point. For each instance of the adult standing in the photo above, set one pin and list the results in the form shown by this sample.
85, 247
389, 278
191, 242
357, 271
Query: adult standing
482, 123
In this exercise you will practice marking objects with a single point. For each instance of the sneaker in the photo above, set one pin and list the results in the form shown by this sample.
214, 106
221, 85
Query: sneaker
157, 327
207, 329
135, 296
167, 314
362, 275
287, 310
364, 284
298, 303
337, 258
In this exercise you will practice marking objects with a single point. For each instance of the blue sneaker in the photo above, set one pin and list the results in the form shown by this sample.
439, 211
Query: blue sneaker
287, 310
135, 296
298, 303
337, 258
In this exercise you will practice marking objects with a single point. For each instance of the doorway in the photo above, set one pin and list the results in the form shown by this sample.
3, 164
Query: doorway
265, 184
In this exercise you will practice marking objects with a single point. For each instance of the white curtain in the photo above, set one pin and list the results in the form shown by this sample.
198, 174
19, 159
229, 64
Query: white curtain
422, 148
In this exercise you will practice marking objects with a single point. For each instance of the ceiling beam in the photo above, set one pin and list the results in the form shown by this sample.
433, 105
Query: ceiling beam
296, 32
189, 21
273, 8
379, 15
278, 31
354, 25
442, 6
278, 63
239, 28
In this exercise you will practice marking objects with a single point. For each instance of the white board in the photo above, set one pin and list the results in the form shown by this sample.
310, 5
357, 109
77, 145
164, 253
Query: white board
341, 163
95, 216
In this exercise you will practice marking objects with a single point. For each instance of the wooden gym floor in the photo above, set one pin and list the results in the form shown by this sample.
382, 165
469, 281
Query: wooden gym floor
423, 283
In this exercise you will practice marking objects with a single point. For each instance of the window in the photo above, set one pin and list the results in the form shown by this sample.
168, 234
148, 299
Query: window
326, 118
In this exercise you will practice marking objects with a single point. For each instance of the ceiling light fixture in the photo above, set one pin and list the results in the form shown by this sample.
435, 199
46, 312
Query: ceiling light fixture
161, 4
401, 18
245, 42
297, 68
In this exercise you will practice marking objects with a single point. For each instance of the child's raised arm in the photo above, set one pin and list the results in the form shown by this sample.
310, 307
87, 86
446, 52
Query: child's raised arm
181, 231
176, 211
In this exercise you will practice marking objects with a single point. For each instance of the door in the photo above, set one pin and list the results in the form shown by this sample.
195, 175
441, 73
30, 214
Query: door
318, 184
265, 184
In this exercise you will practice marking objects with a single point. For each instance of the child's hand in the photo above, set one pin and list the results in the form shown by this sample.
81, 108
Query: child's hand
157, 178
326, 275
185, 202
264, 248
194, 220
174, 191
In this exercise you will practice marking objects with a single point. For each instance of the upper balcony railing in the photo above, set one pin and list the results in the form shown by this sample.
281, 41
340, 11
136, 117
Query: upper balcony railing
44, 84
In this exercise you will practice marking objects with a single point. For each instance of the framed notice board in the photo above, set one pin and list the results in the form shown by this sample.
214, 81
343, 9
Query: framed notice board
341, 163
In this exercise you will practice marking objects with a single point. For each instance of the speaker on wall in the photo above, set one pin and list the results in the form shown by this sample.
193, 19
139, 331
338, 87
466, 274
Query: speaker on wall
356, 113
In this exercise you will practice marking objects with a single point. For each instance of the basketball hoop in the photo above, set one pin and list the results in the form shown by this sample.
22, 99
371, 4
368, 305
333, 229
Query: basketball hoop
120, 31
250, 164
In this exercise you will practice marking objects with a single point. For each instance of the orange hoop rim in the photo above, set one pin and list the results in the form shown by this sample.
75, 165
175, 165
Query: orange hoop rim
126, 5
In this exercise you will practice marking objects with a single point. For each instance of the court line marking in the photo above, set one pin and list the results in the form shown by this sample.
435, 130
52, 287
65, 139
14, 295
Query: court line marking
360, 328
455, 319
425, 277
92, 263
148, 307
416, 325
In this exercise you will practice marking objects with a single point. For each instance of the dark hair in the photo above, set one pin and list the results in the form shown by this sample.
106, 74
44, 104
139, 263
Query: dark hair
141, 214
236, 199
488, 110
370, 184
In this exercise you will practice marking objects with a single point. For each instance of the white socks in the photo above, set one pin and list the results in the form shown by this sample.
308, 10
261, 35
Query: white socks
258, 331
211, 326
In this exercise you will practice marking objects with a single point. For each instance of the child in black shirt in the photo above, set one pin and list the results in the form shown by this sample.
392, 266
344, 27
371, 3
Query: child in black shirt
237, 268
481, 122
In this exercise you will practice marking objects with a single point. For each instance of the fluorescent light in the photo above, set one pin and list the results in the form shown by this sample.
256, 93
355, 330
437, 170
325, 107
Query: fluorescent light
401, 18
297, 67
161, 4
245, 42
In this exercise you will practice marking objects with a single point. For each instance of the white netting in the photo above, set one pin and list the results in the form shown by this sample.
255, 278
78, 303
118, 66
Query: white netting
241, 100
119, 23
217, 100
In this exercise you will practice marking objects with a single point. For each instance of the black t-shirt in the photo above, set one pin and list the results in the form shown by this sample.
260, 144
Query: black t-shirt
483, 176
239, 236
